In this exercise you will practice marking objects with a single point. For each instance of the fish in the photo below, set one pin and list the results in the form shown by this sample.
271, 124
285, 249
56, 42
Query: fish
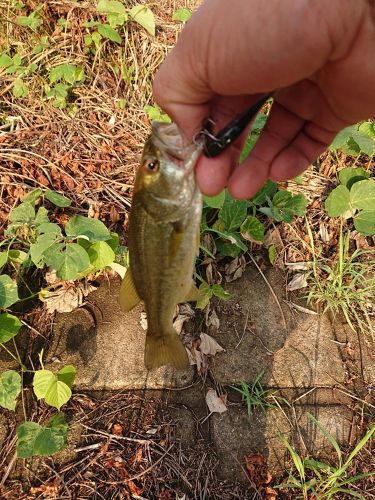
163, 241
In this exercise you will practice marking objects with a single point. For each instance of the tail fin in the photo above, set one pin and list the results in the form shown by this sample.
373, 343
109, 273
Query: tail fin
165, 350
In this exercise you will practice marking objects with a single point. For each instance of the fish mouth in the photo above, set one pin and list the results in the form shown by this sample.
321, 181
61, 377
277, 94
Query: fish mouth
168, 138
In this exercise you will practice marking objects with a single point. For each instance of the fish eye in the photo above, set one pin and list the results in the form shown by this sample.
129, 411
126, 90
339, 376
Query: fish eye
151, 165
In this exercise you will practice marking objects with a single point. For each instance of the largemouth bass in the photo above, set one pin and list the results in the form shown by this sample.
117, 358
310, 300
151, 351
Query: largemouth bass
163, 240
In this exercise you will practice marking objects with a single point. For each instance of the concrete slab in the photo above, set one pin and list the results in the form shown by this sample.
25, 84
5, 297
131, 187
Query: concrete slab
294, 349
235, 435
107, 346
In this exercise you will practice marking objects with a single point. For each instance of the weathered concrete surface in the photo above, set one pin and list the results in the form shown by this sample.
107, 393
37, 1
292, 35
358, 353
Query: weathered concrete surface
107, 346
253, 333
235, 435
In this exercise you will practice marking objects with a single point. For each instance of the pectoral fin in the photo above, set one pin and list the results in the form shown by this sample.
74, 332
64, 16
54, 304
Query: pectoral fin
192, 295
129, 297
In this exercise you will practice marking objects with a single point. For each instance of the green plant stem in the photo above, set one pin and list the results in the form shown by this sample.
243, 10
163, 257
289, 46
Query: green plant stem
10, 353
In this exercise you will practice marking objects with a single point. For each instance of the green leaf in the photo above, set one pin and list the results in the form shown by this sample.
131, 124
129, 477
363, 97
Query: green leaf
25, 212
365, 143
343, 137
26, 435
74, 261
155, 113
272, 253
9, 327
362, 194
348, 176
364, 222
143, 16
20, 89
10, 387
114, 242
108, 32
111, 6
297, 205
115, 20
49, 228
92, 229
67, 375
31, 21
281, 198
42, 244
3, 259
57, 199
47, 386
227, 249
101, 255
219, 292
17, 256
215, 201
204, 295
5, 61
183, 14
233, 213
34, 439
8, 291
253, 230
338, 201
33, 196
41, 216
267, 191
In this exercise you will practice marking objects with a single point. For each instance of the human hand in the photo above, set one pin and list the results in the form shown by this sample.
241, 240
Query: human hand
318, 54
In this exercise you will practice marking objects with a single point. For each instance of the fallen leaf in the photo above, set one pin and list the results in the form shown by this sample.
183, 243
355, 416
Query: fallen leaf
117, 429
66, 298
185, 313
301, 309
119, 269
323, 232
298, 281
208, 345
212, 320
298, 266
271, 494
214, 402
235, 269
257, 470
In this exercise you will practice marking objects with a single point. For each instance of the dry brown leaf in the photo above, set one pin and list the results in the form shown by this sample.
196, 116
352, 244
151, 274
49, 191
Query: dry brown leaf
235, 269
298, 266
185, 313
117, 429
66, 298
212, 320
214, 402
209, 346
298, 281
323, 232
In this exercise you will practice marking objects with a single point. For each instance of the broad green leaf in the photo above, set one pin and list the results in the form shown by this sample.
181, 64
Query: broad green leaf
233, 238
343, 137
47, 386
233, 213
115, 20
5, 61
33, 196
49, 228
219, 291
74, 261
26, 435
57, 199
281, 198
114, 242
183, 14
338, 201
349, 175
3, 258
25, 212
17, 256
41, 216
215, 201
143, 16
31, 21
92, 229
297, 205
43, 243
20, 89
267, 191
365, 143
256, 128
227, 249
101, 255
54, 256
362, 194
364, 222
9, 327
67, 375
33, 439
204, 295
10, 387
111, 6
8, 291
108, 32
253, 230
